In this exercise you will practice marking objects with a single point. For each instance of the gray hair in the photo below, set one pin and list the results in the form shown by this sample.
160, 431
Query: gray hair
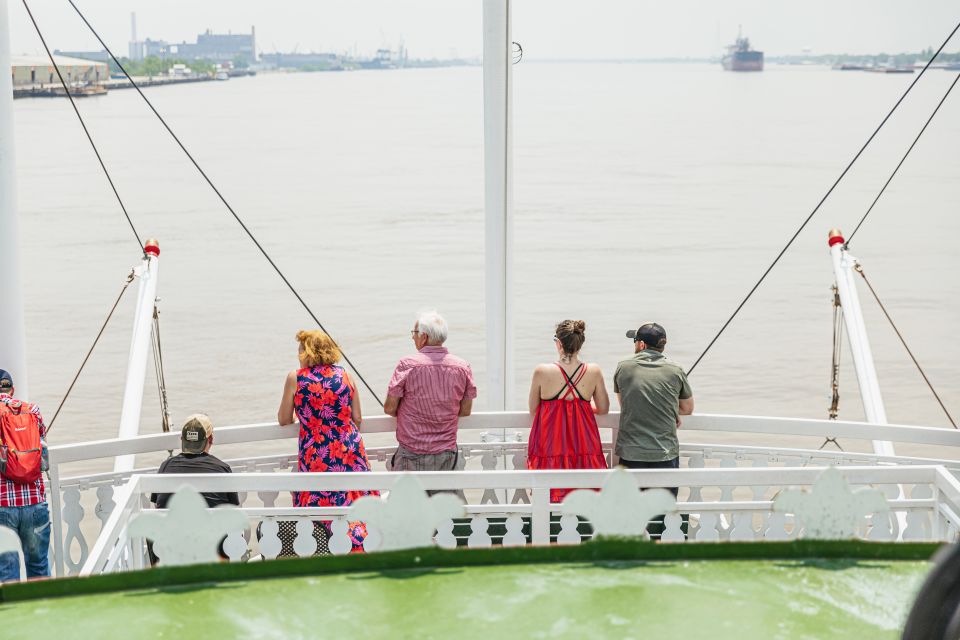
432, 325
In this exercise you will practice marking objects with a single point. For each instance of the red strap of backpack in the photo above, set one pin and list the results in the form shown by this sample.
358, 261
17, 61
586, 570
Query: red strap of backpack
18, 406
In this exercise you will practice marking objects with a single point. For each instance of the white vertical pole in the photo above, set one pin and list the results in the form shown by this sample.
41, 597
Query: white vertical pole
148, 273
13, 353
843, 269
56, 516
498, 197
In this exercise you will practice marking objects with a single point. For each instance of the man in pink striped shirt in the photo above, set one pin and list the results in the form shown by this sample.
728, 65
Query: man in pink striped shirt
428, 393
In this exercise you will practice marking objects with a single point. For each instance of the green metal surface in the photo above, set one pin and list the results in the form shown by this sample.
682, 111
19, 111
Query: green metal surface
598, 550
719, 599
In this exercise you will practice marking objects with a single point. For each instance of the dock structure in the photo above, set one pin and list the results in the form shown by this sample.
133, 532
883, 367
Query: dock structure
83, 89
30, 71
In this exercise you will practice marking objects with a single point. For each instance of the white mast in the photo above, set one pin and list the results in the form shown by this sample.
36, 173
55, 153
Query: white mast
148, 273
13, 354
498, 197
843, 269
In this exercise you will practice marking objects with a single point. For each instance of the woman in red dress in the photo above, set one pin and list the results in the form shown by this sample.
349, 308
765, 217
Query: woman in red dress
564, 398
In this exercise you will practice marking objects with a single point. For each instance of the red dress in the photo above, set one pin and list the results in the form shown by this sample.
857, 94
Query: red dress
565, 434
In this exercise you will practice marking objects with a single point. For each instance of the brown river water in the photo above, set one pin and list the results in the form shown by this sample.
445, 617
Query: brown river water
643, 192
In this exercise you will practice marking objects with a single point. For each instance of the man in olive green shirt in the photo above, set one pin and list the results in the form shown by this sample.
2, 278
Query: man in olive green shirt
653, 392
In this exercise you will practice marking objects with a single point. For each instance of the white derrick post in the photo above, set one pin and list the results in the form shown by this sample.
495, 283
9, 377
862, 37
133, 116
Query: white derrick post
140, 342
13, 353
498, 198
843, 269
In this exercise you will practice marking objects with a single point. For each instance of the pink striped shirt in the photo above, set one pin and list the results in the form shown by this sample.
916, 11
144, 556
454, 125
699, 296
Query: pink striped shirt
431, 384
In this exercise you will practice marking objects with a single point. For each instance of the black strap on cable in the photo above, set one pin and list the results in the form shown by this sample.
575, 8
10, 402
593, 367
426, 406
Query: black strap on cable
83, 124
902, 160
822, 200
90, 351
219, 195
859, 269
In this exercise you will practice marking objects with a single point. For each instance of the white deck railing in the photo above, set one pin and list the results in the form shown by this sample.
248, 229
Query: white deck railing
481, 445
930, 512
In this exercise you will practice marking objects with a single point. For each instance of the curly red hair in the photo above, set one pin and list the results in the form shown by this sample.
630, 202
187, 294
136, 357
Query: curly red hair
318, 348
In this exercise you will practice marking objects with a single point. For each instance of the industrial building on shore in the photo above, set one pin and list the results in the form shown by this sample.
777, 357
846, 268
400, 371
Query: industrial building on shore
37, 71
216, 47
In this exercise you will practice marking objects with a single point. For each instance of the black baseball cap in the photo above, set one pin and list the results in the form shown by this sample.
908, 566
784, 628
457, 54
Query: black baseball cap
6, 380
652, 334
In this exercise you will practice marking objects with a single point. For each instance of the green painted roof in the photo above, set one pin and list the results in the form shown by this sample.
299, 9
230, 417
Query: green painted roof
606, 588
606, 599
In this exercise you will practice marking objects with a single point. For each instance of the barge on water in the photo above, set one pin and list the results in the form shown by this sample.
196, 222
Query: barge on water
740, 57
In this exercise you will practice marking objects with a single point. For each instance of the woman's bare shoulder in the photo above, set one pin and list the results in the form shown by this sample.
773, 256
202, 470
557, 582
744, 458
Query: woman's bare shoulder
594, 368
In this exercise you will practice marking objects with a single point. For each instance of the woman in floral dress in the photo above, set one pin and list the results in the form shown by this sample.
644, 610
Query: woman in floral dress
323, 398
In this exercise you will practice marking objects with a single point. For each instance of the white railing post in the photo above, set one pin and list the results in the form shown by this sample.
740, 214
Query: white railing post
13, 355
55, 500
140, 341
540, 516
110, 538
936, 530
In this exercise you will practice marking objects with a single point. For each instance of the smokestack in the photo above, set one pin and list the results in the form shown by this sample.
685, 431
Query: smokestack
135, 48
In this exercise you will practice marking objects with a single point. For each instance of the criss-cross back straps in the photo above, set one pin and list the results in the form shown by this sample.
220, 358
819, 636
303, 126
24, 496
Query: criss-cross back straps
570, 382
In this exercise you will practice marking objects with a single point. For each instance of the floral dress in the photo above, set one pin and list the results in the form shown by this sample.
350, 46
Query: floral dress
329, 439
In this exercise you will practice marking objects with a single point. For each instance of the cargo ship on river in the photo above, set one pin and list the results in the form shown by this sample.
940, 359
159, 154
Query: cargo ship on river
740, 57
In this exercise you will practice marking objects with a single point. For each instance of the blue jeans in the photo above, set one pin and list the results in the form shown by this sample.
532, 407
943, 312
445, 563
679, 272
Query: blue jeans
656, 526
32, 524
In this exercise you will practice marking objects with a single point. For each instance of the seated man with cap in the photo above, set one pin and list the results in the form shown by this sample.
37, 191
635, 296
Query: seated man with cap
196, 438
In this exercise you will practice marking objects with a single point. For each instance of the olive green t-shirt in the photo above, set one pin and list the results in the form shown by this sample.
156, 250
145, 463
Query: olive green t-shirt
650, 386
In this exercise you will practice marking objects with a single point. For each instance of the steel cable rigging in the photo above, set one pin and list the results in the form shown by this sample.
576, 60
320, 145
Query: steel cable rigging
90, 351
902, 160
822, 200
83, 124
196, 165
859, 269
838, 339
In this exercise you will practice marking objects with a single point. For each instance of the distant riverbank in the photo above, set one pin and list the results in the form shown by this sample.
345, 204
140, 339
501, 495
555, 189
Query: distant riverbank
78, 90
102, 88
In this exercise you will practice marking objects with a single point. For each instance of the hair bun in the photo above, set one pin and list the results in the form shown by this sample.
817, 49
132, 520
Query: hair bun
579, 326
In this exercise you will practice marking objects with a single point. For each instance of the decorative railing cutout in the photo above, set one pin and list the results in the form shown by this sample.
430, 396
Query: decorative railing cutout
407, 518
619, 508
10, 543
831, 510
188, 533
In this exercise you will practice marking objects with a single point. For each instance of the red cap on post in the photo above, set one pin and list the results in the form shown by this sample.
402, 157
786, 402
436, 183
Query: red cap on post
834, 237
152, 246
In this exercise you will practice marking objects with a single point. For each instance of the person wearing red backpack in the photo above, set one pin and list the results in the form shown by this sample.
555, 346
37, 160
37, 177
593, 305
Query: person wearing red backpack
23, 502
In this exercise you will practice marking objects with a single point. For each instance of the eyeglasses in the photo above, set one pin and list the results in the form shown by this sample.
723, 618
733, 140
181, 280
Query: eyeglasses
414, 332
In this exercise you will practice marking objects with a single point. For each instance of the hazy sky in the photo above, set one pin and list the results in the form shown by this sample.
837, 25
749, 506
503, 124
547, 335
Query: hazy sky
545, 28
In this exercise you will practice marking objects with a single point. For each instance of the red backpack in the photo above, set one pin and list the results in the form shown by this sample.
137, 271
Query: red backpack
20, 449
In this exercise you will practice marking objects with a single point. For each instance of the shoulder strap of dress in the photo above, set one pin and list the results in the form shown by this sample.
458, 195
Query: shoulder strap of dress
571, 381
583, 372
556, 396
